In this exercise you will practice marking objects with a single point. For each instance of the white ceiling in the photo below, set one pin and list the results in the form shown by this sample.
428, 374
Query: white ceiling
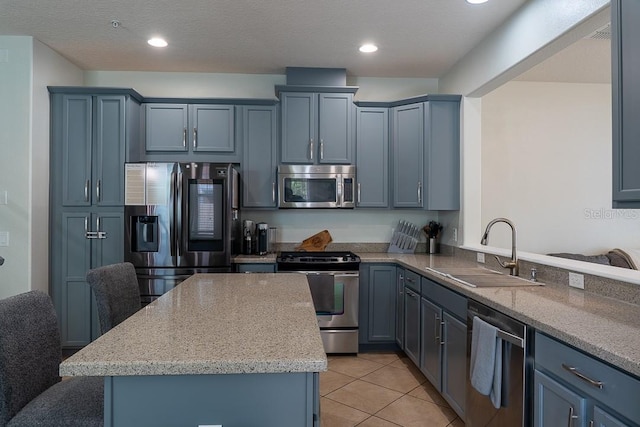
417, 38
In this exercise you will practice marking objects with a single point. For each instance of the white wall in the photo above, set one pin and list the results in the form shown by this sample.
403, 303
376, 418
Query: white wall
546, 165
220, 85
49, 69
24, 163
15, 140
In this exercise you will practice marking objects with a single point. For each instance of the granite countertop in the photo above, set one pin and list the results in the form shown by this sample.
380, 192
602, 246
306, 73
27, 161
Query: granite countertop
213, 324
255, 259
604, 327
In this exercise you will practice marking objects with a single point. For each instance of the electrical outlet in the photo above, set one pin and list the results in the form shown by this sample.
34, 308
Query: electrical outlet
576, 280
455, 234
480, 257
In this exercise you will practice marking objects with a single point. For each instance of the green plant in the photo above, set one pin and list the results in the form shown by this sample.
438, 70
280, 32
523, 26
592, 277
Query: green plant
432, 229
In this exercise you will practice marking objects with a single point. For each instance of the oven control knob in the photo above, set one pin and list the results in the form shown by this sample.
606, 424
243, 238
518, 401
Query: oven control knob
345, 258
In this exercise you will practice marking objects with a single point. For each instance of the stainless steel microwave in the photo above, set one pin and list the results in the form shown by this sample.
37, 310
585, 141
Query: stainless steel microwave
316, 186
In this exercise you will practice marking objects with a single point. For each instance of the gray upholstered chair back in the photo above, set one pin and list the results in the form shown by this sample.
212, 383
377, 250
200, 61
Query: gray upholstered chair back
30, 351
117, 293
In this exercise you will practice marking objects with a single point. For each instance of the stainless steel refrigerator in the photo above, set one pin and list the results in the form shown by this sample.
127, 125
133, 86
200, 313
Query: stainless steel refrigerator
180, 218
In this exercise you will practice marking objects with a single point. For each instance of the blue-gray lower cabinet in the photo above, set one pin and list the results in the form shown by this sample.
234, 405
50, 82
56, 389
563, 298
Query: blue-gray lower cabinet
400, 306
570, 383
79, 251
259, 156
556, 405
443, 347
377, 310
283, 400
256, 268
372, 157
412, 325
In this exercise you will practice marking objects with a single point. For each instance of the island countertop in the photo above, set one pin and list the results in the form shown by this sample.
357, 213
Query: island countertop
213, 324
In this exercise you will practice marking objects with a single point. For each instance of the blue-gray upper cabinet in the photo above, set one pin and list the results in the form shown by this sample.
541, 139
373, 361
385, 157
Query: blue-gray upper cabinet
408, 154
259, 158
317, 128
442, 151
93, 145
372, 157
190, 128
426, 154
625, 15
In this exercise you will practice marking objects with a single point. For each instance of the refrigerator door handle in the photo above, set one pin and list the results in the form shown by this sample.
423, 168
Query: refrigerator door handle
178, 214
172, 215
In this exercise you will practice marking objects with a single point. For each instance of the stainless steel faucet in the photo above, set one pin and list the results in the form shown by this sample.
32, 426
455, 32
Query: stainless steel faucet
513, 264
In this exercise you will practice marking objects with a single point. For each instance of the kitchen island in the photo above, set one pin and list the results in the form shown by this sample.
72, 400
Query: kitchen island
220, 349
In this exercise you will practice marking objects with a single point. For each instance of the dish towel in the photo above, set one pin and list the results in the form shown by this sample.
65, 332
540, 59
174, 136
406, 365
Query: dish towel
486, 361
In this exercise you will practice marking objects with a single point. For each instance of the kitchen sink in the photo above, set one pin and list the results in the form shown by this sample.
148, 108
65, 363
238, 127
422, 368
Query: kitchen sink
479, 277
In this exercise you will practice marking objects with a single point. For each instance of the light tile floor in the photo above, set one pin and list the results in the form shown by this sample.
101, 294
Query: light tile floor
380, 390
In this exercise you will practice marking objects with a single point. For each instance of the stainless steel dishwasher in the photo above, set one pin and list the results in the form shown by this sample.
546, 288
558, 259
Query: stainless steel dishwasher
515, 409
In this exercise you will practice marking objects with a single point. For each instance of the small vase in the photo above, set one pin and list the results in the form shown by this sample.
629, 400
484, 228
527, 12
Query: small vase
432, 246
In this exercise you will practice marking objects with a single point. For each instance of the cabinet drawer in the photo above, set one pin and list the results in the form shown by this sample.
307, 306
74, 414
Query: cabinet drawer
619, 391
412, 280
451, 301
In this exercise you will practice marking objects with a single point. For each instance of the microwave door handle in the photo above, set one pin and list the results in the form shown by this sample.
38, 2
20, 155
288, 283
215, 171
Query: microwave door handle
340, 201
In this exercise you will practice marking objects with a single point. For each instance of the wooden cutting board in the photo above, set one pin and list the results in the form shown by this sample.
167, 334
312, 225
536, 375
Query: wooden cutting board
316, 243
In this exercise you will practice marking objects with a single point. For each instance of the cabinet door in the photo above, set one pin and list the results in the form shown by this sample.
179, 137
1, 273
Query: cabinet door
412, 325
408, 155
382, 304
442, 151
75, 310
400, 307
625, 15
109, 151
166, 127
335, 128
432, 340
602, 418
212, 128
556, 405
372, 157
454, 362
76, 150
298, 140
259, 161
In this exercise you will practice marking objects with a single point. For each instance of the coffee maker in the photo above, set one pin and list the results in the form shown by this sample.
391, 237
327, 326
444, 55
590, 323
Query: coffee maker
262, 238
248, 237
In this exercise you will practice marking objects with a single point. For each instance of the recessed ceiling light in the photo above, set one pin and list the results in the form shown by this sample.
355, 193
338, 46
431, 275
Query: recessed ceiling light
477, 1
368, 48
157, 42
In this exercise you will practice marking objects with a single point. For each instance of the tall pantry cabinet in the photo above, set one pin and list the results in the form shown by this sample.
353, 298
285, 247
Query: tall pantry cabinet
91, 131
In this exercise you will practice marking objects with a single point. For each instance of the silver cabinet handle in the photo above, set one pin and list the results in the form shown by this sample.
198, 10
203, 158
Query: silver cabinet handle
89, 234
436, 328
571, 417
358, 193
273, 192
410, 280
311, 149
419, 192
591, 423
98, 185
321, 149
87, 184
574, 371
411, 294
195, 138
184, 138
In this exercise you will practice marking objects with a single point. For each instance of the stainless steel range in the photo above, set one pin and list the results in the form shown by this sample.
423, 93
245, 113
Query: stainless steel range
333, 280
